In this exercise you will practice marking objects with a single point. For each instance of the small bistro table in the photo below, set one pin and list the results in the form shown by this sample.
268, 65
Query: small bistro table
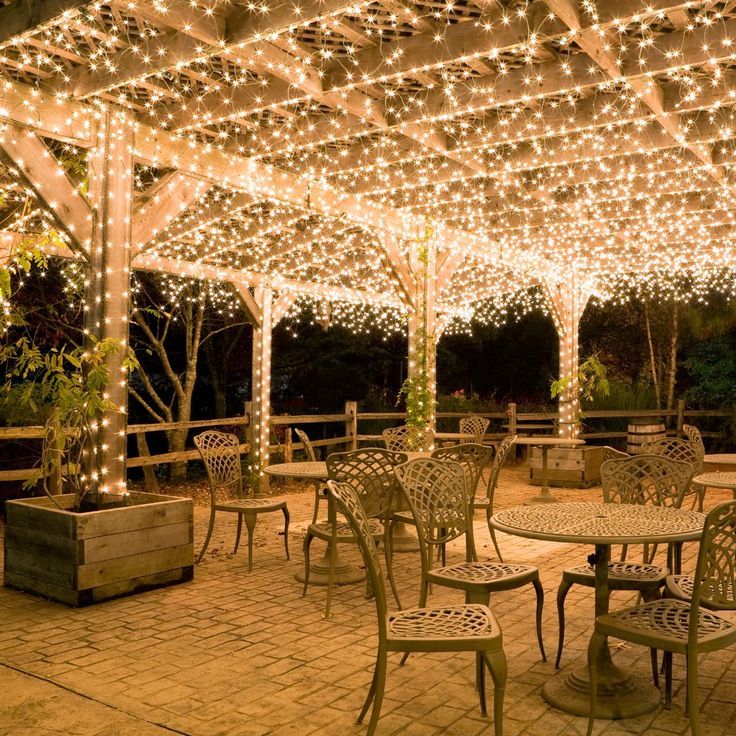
602, 525
319, 570
724, 458
544, 443
716, 479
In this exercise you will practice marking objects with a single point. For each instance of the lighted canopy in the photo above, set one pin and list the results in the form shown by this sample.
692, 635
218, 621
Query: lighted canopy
427, 158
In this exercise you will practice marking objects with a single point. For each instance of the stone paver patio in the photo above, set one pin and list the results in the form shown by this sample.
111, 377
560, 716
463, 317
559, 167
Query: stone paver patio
233, 653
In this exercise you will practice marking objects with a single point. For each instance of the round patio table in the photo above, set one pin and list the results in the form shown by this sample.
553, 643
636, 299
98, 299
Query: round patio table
601, 524
715, 479
319, 570
544, 443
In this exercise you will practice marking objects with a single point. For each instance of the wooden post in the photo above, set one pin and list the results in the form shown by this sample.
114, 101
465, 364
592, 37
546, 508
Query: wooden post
261, 385
567, 302
511, 412
422, 317
680, 416
351, 424
110, 176
288, 445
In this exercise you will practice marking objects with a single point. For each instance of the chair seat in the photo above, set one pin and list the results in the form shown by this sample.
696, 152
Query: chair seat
663, 624
621, 575
681, 587
441, 628
483, 576
253, 505
323, 530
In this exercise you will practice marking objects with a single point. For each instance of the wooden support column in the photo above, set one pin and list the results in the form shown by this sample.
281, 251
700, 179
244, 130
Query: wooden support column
567, 302
422, 318
261, 384
110, 175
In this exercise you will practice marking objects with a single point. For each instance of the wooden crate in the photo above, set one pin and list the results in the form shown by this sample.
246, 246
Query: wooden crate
82, 558
573, 467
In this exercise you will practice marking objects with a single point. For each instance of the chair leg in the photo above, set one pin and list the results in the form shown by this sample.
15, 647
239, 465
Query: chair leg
562, 591
624, 551
495, 543
668, 680
369, 697
480, 682
307, 544
208, 537
287, 519
332, 546
655, 667
388, 551
250, 525
238, 532
380, 688
539, 590
597, 642
498, 667
692, 691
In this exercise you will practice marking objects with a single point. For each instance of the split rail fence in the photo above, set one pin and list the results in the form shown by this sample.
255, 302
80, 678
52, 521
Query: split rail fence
343, 431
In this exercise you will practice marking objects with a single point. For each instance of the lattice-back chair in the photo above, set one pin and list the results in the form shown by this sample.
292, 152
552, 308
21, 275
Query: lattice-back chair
677, 449
473, 458
308, 447
475, 425
692, 434
370, 473
468, 628
682, 627
408, 439
486, 502
611, 453
639, 479
435, 490
220, 453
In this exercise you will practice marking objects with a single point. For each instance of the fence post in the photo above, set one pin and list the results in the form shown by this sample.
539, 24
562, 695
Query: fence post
511, 413
351, 424
149, 474
288, 449
680, 416
249, 424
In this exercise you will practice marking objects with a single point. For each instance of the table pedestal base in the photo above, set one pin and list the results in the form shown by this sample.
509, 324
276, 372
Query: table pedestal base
544, 497
403, 540
619, 696
319, 572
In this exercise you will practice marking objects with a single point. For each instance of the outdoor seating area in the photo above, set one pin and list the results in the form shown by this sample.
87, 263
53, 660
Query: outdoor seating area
324, 326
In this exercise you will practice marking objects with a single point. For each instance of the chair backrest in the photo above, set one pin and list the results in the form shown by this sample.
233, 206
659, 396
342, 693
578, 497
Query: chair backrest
677, 449
221, 457
435, 490
692, 433
348, 503
369, 472
407, 439
472, 457
715, 572
475, 425
646, 479
308, 448
611, 453
502, 452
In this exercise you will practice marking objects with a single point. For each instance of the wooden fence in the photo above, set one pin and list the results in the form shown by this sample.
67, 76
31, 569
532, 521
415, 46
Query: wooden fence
348, 434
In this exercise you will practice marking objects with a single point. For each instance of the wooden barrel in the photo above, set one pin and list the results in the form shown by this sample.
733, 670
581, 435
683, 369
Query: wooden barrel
644, 430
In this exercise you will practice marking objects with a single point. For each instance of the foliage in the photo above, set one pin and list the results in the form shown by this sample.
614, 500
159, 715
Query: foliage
712, 366
72, 382
416, 390
592, 380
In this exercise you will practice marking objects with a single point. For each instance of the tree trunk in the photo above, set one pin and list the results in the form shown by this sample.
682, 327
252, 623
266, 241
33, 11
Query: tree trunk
177, 443
653, 359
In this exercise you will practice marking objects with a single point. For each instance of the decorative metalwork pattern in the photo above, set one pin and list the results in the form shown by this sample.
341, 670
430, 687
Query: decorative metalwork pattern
716, 568
219, 452
601, 523
501, 454
646, 479
482, 572
623, 571
693, 435
677, 449
435, 490
611, 453
312, 470
308, 447
408, 439
716, 479
667, 617
474, 425
370, 472
443, 622
472, 457
343, 530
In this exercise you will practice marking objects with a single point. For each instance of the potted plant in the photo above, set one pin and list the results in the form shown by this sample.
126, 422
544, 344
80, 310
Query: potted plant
575, 467
74, 544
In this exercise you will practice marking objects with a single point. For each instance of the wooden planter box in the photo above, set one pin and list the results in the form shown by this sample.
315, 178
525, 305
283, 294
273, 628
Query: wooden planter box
573, 467
82, 558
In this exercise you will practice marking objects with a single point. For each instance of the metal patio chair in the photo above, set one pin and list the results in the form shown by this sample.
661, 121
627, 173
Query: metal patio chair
462, 628
408, 439
308, 447
221, 457
475, 425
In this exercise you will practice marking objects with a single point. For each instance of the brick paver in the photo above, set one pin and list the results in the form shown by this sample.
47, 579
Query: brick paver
245, 654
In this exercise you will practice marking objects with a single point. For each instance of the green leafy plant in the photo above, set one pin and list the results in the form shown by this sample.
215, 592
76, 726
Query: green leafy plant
592, 380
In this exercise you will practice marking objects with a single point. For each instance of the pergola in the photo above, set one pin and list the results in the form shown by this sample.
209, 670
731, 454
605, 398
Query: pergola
423, 157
